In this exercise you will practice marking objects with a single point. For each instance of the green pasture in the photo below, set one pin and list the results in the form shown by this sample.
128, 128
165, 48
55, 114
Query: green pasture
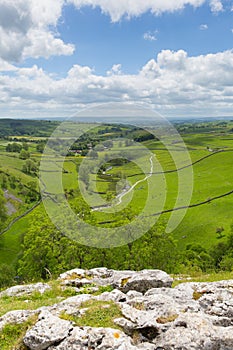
212, 176
10, 242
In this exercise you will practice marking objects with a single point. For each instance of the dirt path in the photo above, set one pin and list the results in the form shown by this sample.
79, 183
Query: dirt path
125, 192
121, 195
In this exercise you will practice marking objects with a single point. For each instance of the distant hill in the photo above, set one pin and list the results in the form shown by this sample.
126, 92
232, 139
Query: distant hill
18, 127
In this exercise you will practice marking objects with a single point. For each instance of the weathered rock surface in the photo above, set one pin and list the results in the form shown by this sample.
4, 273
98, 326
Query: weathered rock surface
15, 317
191, 316
26, 289
47, 331
87, 338
139, 281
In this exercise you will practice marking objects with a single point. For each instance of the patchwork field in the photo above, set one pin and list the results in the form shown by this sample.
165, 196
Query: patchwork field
128, 185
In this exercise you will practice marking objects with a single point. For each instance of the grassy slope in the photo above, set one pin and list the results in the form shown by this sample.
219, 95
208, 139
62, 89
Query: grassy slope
212, 177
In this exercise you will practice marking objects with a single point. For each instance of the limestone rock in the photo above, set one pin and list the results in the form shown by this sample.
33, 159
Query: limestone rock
70, 305
87, 338
139, 281
194, 332
144, 280
72, 274
115, 295
191, 316
26, 289
47, 331
15, 317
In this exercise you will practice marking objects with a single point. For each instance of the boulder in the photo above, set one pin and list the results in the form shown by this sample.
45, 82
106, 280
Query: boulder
15, 317
47, 331
191, 316
26, 289
194, 332
115, 295
139, 281
87, 338
142, 281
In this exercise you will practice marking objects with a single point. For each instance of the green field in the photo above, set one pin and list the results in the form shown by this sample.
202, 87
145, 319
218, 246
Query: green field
211, 158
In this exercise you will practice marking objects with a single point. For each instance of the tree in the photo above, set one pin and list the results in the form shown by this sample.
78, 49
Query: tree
30, 167
12, 181
7, 274
24, 154
13, 147
3, 211
40, 147
84, 173
196, 257
108, 143
25, 146
219, 231
4, 182
47, 249
93, 154
222, 253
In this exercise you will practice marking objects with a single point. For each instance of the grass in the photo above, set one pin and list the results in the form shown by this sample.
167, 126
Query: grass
98, 314
11, 336
52, 296
10, 242
212, 177
36, 299
203, 277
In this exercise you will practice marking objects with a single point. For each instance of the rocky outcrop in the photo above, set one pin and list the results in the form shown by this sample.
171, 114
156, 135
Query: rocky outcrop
16, 316
125, 281
26, 289
87, 338
47, 331
154, 316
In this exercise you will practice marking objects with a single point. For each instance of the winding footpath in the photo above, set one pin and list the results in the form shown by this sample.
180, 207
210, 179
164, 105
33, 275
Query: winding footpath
125, 192
121, 195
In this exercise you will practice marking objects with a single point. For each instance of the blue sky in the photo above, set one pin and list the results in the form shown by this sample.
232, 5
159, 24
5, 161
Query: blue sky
100, 43
58, 56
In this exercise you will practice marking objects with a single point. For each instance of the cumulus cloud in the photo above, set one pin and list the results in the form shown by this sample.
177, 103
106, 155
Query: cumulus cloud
25, 29
6, 67
216, 6
150, 36
44, 44
28, 27
173, 82
203, 27
116, 69
134, 8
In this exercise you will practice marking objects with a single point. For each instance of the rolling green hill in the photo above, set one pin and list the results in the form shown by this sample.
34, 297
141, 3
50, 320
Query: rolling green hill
211, 159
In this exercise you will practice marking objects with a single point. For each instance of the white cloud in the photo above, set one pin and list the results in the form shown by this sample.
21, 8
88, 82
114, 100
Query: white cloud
173, 82
117, 9
28, 27
203, 27
115, 70
6, 67
216, 6
44, 44
25, 29
150, 36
